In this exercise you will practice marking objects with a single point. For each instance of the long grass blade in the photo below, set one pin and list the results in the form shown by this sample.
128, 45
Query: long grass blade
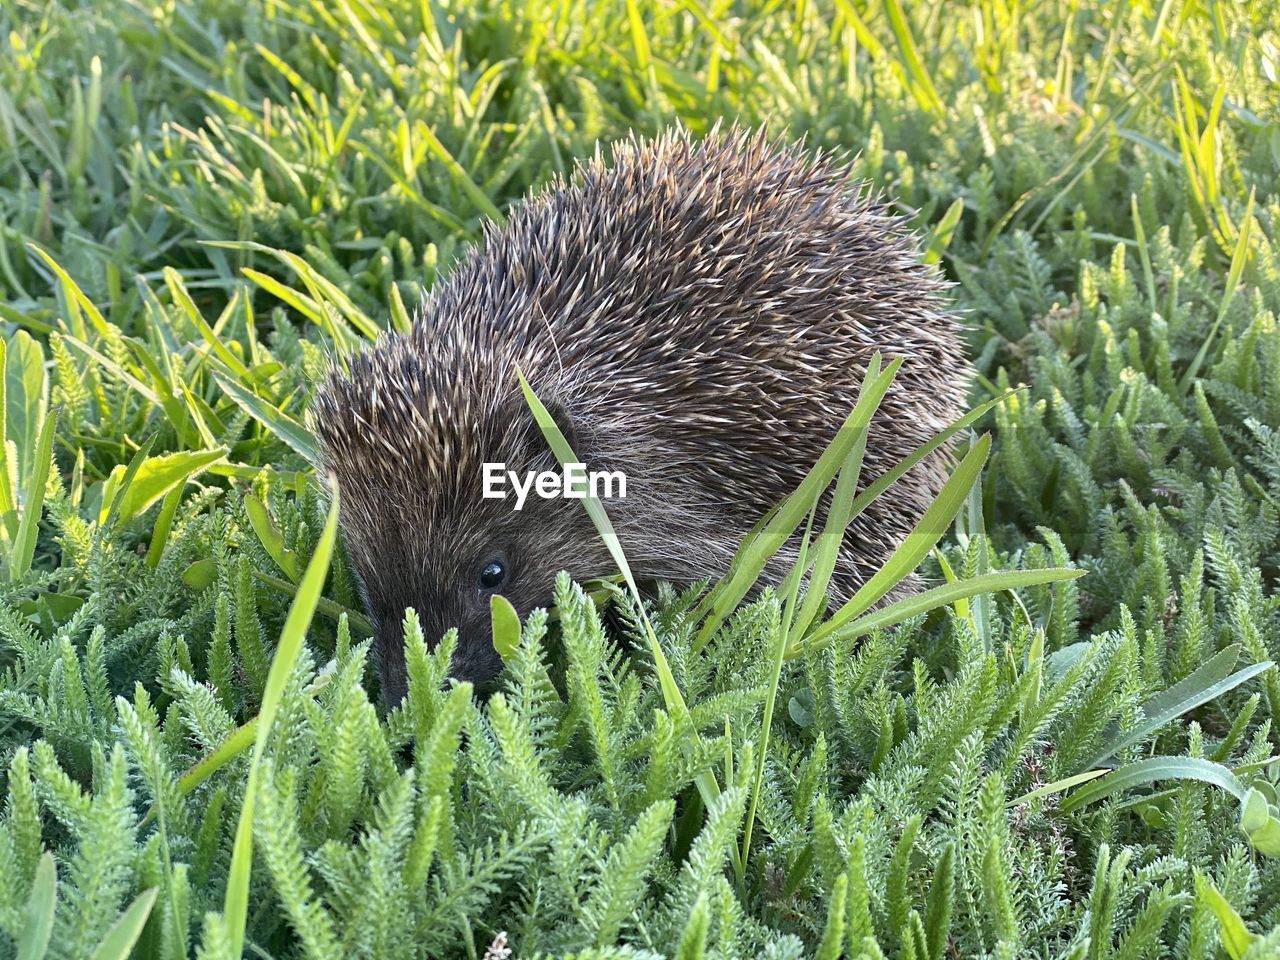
37, 922
118, 942
791, 513
236, 905
24, 546
921, 603
916, 545
707, 785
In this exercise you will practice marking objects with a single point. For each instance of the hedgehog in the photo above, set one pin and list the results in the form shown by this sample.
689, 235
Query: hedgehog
696, 314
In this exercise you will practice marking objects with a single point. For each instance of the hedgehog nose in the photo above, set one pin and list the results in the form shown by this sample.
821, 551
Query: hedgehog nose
476, 661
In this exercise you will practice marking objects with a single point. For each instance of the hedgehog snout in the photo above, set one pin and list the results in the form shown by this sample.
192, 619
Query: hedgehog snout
474, 658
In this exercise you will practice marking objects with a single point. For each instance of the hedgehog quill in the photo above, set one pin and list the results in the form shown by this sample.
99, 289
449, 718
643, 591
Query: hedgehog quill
696, 315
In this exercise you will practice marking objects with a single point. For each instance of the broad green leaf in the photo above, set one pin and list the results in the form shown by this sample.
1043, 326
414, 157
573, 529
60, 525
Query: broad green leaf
1266, 839
506, 626
1235, 936
116, 487
25, 404
157, 476
200, 574
1198, 688
1253, 811
1259, 823
1152, 769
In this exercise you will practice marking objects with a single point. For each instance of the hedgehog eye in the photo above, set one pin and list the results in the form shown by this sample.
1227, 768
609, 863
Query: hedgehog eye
492, 575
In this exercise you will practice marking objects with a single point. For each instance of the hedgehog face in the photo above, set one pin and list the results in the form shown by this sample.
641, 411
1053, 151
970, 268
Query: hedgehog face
449, 569
445, 550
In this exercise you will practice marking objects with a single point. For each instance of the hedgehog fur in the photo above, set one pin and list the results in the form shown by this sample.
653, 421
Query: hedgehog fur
697, 314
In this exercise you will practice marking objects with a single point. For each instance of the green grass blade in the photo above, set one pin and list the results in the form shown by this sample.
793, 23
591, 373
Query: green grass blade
270, 537
921, 83
76, 298
114, 369
236, 744
595, 510
916, 545
940, 236
1239, 258
777, 654
920, 603
331, 609
1195, 690
830, 541
792, 511
459, 174
119, 940
891, 477
671, 695
1058, 786
279, 423
37, 923
24, 544
240, 740
299, 301
1151, 770
164, 525
236, 905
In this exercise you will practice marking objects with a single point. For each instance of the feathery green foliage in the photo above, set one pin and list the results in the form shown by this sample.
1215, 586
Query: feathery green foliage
200, 204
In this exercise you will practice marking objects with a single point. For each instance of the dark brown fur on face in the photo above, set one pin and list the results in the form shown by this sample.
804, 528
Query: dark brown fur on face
699, 316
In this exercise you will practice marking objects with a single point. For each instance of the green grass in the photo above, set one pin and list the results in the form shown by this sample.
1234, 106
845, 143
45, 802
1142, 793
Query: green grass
199, 202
